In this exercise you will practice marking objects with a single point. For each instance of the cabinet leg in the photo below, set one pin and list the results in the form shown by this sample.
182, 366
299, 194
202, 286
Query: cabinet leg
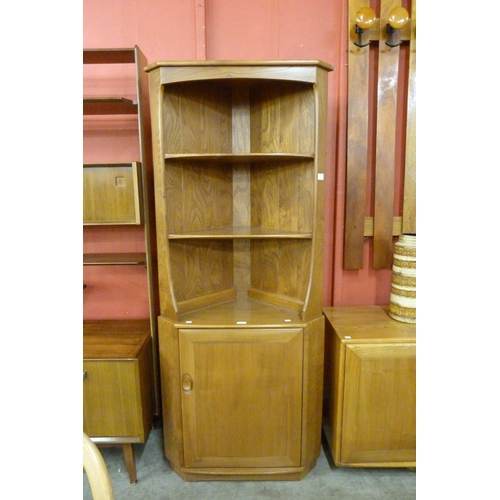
128, 453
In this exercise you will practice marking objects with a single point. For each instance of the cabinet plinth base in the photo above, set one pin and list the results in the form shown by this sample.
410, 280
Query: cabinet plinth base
243, 474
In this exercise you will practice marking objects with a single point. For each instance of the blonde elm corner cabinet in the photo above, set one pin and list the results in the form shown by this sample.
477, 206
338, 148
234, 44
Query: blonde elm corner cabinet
239, 158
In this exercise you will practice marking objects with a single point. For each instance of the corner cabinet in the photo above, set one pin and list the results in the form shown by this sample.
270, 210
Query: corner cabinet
239, 158
370, 388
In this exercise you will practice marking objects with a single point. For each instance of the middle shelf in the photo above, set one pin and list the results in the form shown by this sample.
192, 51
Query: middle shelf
236, 232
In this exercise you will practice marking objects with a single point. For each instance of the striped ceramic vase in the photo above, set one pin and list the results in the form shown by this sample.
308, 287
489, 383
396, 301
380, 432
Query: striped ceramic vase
403, 302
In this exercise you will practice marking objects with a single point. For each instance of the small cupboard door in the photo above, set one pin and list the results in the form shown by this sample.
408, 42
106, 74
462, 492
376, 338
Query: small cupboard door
241, 397
379, 403
111, 399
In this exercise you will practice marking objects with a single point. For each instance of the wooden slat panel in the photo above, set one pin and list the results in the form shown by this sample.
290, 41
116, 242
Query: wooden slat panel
409, 204
385, 144
357, 153
396, 226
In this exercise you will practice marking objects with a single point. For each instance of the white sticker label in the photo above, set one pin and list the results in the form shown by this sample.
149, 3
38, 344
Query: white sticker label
188, 322
287, 320
347, 337
241, 322
321, 177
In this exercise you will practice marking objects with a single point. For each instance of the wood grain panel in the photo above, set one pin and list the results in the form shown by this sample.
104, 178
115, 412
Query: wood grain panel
198, 118
385, 144
386, 431
207, 192
357, 143
296, 115
111, 399
201, 267
173, 197
265, 265
168, 346
270, 120
227, 408
410, 187
111, 194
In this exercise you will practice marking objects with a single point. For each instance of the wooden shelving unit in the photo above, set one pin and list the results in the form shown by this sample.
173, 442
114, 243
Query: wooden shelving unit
118, 194
239, 154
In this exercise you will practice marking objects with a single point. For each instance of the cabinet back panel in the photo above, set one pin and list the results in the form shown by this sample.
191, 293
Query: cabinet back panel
198, 118
281, 196
281, 266
282, 118
199, 196
206, 117
200, 267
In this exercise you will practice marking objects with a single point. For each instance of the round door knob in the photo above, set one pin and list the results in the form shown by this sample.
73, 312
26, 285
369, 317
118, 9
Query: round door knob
187, 383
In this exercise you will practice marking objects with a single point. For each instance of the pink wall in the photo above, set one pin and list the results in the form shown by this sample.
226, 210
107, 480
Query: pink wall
257, 29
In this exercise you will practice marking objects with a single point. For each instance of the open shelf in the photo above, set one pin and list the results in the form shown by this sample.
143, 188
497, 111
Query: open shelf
109, 56
240, 312
234, 232
114, 259
109, 106
239, 157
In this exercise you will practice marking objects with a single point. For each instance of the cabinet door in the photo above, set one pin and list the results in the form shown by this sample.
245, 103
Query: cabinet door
111, 399
379, 419
241, 397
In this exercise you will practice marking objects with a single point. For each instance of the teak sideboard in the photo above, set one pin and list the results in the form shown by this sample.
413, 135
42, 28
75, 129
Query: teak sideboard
239, 157
118, 394
370, 388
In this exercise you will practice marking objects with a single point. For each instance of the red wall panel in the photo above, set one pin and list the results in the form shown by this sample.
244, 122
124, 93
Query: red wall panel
258, 29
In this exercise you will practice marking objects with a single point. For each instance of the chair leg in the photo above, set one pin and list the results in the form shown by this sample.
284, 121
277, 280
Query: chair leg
128, 453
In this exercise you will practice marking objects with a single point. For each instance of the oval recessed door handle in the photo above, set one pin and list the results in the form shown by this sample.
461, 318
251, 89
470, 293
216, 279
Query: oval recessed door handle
187, 383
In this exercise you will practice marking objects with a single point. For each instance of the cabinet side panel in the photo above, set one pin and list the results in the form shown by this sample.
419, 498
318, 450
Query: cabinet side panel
314, 342
145, 367
313, 303
170, 392
158, 113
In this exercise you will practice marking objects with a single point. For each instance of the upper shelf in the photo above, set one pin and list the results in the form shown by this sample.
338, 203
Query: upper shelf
240, 157
109, 106
109, 56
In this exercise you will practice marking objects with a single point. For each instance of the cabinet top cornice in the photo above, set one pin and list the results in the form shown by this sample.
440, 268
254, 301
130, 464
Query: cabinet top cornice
205, 63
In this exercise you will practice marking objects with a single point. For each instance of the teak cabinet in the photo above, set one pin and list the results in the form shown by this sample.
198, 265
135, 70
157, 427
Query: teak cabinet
370, 388
118, 396
239, 154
